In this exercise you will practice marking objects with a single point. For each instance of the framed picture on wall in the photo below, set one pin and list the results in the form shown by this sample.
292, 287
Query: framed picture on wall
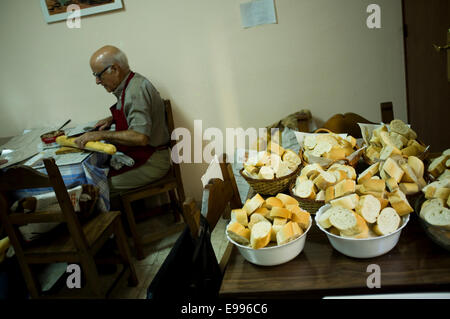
57, 10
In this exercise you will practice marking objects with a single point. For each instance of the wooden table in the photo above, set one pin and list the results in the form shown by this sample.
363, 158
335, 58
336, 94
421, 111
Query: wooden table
416, 264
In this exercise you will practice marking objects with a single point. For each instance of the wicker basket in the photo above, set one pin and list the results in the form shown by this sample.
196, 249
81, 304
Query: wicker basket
353, 162
271, 186
310, 205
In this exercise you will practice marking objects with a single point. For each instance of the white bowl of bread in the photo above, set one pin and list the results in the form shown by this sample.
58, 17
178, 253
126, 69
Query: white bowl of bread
368, 214
434, 205
270, 231
350, 234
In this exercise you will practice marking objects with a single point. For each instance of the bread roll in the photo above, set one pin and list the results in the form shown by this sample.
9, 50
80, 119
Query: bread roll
288, 232
91, 146
329, 194
253, 204
368, 173
286, 199
273, 202
400, 203
409, 188
369, 208
305, 190
387, 222
300, 216
280, 212
344, 187
260, 235
256, 218
437, 166
344, 220
240, 216
239, 233
324, 180
362, 229
348, 201
393, 169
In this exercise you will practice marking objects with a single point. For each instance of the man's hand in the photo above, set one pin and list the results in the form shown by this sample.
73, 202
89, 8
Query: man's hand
104, 124
88, 137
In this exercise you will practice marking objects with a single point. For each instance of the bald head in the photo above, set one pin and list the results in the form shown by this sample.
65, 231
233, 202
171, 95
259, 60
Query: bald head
113, 62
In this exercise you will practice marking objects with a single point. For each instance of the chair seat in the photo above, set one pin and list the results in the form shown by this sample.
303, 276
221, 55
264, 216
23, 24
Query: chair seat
64, 244
167, 182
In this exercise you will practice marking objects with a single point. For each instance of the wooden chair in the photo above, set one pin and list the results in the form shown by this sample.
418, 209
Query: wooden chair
173, 278
171, 183
387, 112
346, 123
217, 195
78, 244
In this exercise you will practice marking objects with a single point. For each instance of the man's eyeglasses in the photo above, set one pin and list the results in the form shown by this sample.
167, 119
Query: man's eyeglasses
98, 75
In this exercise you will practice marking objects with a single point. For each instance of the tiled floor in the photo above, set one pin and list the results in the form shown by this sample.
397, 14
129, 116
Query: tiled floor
156, 253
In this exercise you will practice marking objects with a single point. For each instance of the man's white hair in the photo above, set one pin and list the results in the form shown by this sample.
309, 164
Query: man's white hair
120, 58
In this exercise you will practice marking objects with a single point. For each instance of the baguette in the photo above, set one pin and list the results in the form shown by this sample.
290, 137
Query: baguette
387, 222
240, 216
239, 233
305, 190
368, 173
266, 172
344, 187
374, 185
300, 216
409, 188
437, 166
416, 165
320, 196
260, 235
311, 170
90, 146
292, 159
400, 203
288, 232
369, 208
273, 202
362, 229
344, 220
264, 212
280, 212
329, 194
324, 180
253, 204
393, 169
286, 199
256, 218
348, 201
67, 150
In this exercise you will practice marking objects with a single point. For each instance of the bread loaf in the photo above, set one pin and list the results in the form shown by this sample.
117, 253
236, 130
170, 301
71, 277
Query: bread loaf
300, 216
368, 173
369, 208
280, 212
344, 187
288, 232
239, 233
348, 201
273, 202
329, 194
253, 204
387, 222
399, 202
437, 166
344, 220
361, 230
324, 180
286, 199
91, 146
240, 216
393, 169
256, 218
409, 188
260, 235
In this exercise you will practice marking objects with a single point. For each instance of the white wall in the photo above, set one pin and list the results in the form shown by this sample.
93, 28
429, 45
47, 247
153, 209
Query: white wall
320, 56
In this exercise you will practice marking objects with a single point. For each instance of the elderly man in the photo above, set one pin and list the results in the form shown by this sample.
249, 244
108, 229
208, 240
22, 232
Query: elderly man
139, 115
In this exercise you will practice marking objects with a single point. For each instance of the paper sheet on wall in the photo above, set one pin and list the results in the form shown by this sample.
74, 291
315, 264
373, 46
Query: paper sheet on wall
258, 12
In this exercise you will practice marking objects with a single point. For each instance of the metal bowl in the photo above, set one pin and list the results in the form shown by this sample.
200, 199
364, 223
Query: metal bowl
439, 235
365, 247
274, 255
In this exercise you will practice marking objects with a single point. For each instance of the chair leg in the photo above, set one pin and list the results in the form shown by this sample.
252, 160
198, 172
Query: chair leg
133, 229
91, 274
175, 205
124, 249
30, 280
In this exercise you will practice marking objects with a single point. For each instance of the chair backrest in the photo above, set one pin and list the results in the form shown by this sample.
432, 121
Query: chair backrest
217, 195
387, 112
346, 123
22, 177
176, 166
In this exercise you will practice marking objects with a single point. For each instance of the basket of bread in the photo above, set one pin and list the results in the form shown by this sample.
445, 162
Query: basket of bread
269, 231
328, 148
316, 185
366, 219
433, 206
383, 141
271, 171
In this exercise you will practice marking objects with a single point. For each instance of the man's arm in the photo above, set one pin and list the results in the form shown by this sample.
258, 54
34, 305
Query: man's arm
104, 124
127, 137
